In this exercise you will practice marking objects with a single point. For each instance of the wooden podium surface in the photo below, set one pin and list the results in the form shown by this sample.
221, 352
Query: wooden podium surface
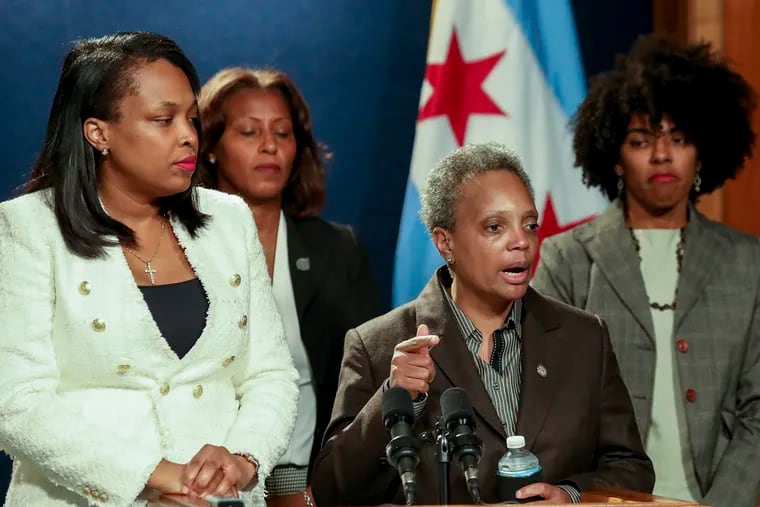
602, 497
614, 496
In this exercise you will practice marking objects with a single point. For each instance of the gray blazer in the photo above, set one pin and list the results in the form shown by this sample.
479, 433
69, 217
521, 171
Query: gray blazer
595, 267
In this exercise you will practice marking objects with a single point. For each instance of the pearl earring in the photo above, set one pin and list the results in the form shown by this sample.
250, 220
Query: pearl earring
104, 152
211, 159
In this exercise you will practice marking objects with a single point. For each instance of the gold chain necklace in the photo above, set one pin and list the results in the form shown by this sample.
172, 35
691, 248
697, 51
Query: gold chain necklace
149, 269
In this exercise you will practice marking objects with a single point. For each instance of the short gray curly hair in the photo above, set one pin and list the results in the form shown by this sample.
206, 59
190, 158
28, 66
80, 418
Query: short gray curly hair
442, 188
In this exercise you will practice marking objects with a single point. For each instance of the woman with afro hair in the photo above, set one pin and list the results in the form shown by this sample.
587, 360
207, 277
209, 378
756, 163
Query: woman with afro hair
680, 293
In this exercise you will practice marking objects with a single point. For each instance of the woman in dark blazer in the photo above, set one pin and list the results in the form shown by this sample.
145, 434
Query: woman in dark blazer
258, 143
531, 366
680, 292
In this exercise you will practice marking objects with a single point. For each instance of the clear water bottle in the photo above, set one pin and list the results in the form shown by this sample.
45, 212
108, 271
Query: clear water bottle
517, 468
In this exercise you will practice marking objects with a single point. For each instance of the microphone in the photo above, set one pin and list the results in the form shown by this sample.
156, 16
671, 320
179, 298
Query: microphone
402, 450
466, 447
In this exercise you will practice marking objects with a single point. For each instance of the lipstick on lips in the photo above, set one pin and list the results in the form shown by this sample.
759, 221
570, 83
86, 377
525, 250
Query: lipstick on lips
662, 178
187, 163
268, 168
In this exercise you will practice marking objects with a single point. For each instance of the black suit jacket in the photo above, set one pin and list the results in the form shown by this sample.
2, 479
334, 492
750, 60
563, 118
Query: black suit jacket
577, 419
334, 291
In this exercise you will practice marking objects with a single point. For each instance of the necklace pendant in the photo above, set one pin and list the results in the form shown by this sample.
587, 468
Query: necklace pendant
151, 272
662, 308
680, 248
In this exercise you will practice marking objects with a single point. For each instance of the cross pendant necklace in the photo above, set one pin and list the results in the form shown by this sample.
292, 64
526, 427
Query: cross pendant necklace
151, 272
149, 269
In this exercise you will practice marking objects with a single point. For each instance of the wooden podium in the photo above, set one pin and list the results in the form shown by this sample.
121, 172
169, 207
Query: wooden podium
614, 496
602, 497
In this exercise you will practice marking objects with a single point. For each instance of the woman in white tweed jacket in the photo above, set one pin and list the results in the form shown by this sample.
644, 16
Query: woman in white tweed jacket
98, 406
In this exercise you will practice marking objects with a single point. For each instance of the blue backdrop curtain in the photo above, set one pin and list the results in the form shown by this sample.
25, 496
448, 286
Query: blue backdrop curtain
359, 64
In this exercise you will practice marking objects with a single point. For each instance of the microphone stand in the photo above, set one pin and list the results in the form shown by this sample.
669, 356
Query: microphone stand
443, 454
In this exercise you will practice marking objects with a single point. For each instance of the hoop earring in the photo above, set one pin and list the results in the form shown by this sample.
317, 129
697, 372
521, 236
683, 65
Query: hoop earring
698, 183
620, 185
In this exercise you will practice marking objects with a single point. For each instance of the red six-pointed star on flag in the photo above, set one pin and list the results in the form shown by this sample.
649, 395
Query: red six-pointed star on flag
458, 89
550, 224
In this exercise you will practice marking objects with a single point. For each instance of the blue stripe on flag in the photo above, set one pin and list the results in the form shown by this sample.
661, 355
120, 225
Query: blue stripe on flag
416, 256
549, 26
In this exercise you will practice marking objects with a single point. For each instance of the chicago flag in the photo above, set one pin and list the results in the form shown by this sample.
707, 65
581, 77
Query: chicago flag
497, 70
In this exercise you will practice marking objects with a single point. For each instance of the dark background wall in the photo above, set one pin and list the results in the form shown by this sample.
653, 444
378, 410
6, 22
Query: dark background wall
359, 64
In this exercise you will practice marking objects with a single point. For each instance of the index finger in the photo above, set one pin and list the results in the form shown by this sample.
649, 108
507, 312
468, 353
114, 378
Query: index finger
418, 342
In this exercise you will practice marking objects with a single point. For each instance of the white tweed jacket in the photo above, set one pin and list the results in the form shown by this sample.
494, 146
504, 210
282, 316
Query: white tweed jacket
91, 395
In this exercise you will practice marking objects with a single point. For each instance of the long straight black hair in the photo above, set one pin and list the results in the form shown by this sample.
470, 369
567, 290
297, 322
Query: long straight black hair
96, 75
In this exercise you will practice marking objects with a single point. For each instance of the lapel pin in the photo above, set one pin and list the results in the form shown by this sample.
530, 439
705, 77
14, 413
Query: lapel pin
303, 264
541, 370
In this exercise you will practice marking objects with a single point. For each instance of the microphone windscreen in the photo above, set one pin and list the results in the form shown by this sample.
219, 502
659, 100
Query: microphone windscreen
397, 405
455, 404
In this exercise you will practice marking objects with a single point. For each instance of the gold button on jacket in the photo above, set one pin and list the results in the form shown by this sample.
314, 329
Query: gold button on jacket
84, 288
90, 333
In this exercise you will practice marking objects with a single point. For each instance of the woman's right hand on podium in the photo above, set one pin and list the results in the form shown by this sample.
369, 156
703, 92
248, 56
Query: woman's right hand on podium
551, 494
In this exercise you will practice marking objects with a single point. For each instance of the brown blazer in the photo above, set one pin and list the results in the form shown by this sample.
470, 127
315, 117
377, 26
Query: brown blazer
577, 419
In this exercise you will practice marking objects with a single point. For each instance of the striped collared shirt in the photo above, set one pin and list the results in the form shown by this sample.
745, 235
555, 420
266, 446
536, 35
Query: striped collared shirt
501, 375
